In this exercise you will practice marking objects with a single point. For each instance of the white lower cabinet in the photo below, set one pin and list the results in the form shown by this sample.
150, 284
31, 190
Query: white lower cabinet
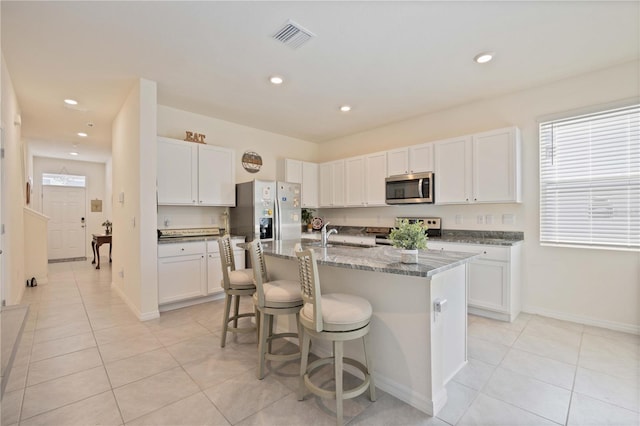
182, 271
493, 279
192, 269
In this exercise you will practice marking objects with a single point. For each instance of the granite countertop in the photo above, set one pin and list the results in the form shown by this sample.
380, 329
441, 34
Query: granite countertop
379, 258
491, 238
193, 239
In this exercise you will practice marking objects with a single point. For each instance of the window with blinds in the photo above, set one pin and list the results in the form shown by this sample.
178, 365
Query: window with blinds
590, 180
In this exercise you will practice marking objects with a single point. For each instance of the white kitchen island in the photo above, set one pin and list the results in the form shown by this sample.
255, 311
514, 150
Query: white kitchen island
416, 350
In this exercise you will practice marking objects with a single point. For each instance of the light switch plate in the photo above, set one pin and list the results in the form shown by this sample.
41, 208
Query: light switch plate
480, 219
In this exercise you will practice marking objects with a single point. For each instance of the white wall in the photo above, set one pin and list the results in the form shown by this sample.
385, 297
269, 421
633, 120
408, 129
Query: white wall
96, 189
593, 286
134, 162
13, 194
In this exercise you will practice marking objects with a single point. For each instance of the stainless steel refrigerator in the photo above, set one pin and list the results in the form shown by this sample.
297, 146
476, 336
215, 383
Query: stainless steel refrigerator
266, 210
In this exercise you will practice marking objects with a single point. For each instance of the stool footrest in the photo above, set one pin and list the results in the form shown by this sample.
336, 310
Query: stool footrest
282, 357
347, 393
250, 329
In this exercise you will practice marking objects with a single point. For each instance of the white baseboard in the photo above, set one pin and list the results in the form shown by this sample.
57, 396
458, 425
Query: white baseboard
142, 316
611, 325
190, 302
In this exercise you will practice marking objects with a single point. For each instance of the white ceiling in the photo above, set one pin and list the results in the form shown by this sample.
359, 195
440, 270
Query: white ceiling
390, 60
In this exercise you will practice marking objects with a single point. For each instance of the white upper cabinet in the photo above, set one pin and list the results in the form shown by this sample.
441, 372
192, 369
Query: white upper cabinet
452, 171
310, 185
364, 182
355, 181
216, 176
481, 168
421, 158
410, 159
306, 174
375, 172
332, 184
398, 161
496, 166
195, 174
177, 172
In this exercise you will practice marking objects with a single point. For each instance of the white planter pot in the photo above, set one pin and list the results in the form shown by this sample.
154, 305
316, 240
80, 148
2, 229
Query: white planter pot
409, 256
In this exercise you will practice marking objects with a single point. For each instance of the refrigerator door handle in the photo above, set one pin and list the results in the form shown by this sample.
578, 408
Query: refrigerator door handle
277, 231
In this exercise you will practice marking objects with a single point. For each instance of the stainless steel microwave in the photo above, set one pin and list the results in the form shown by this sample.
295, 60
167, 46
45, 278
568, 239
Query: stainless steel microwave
410, 189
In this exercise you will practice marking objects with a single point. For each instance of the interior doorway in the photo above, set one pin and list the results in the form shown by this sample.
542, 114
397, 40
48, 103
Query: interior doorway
64, 202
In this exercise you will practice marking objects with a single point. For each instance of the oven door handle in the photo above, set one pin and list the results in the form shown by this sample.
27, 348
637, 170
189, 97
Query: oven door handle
420, 187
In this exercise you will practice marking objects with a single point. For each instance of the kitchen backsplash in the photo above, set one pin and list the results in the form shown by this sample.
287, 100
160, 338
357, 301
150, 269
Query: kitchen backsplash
190, 216
499, 217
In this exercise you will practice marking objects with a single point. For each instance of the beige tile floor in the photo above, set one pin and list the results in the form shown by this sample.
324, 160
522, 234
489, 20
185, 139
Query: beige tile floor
85, 359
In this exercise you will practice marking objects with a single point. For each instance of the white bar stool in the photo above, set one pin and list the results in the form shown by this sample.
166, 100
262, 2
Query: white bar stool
236, 283
335, 317
278, 297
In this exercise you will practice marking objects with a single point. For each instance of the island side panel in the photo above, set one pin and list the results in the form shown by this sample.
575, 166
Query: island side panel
400, 329
448, 330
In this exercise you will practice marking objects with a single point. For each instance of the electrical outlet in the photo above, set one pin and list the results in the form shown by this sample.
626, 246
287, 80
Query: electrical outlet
488, 219
459, 219
167, 221
480, 219
121, 273
508, 219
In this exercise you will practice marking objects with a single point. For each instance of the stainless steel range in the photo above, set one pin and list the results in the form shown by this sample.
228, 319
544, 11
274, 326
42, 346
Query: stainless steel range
434, 228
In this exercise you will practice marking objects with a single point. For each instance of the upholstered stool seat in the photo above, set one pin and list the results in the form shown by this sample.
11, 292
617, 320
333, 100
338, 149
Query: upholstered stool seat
241, 278
337, 318
340, 312
277, 297
236, 283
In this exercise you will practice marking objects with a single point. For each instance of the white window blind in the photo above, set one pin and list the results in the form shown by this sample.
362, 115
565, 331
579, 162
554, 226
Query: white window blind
590, 180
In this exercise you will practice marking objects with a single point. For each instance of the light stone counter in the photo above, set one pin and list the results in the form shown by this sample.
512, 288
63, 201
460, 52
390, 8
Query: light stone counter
378, 259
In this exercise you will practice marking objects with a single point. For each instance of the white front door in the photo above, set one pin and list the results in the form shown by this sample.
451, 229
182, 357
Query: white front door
65, 207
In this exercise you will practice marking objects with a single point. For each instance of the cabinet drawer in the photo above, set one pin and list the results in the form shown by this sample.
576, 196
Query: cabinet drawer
180, 249
487, 252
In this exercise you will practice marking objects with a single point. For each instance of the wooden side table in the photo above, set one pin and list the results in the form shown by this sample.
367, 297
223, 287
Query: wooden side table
98, 240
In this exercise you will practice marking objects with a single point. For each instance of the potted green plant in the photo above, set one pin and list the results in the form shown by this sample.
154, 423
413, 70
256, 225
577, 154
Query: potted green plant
307, 216
410, 237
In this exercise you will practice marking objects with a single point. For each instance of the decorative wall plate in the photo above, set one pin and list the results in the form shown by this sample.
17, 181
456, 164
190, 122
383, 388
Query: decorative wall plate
316, 223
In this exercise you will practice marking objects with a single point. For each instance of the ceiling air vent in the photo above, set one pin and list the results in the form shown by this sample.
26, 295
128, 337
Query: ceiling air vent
293, 35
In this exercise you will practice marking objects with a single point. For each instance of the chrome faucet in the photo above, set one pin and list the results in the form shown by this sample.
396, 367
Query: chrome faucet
324, 235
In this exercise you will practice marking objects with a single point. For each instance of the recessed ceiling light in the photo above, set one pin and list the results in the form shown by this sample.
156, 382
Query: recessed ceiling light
82, 134
71, 102
483, 58
73, 153
345, 108
276, 79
